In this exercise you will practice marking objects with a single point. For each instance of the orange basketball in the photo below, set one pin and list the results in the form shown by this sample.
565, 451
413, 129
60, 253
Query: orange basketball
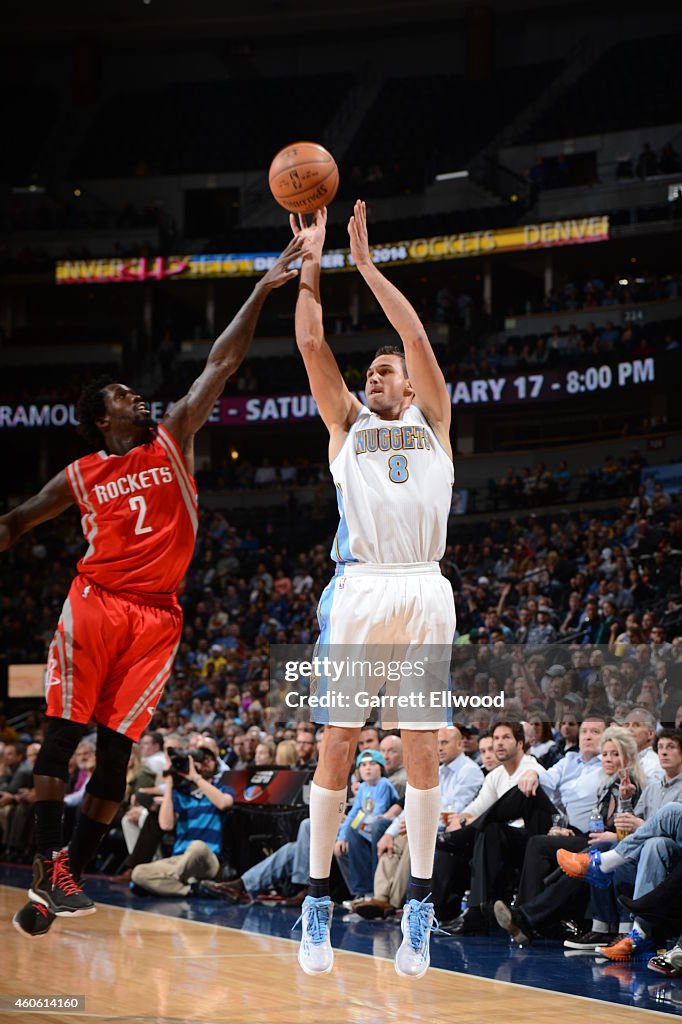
303, 177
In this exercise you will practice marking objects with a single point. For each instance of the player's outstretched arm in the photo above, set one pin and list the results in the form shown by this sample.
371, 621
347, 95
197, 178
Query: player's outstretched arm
423, 370
338, 408
227, 353
55, 496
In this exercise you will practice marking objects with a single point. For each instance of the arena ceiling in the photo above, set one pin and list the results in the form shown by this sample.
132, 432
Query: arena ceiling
165, 20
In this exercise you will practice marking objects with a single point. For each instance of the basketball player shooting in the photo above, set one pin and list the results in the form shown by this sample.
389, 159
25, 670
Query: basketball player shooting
391, 462
120, 626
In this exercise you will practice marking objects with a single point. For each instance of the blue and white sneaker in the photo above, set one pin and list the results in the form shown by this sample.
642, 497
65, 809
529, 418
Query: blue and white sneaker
315, 954
413, 957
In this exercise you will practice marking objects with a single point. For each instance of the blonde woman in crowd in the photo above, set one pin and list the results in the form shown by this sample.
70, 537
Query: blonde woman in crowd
621, 776
285, 755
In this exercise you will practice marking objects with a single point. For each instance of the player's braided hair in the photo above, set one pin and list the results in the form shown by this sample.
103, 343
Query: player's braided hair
392, 350
91, 407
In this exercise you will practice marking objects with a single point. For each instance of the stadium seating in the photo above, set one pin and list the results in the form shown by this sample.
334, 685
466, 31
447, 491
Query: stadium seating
407, 136
634, 84
206, 126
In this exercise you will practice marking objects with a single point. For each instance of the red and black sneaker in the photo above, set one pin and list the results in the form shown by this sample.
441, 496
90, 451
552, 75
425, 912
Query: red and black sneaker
55, 887
33, 919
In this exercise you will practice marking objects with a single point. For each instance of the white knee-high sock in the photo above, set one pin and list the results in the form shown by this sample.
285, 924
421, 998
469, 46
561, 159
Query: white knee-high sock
422, 808
610, 860
326, 810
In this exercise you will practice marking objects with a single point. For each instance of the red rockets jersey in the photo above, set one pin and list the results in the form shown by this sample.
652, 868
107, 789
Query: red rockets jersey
139, 516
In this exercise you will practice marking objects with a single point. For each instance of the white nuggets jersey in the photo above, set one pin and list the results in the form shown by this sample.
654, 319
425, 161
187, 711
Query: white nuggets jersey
394, 489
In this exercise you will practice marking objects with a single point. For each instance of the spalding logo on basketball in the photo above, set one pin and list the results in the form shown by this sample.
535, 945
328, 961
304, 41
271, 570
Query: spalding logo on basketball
303, 177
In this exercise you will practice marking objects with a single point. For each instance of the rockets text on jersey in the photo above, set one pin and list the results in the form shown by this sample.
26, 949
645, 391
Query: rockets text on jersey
139, 516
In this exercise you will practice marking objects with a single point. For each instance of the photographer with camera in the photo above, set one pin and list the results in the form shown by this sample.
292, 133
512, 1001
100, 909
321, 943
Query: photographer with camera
193, 804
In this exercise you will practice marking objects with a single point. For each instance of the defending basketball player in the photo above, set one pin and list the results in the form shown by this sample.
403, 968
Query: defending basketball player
394, 500
120, 626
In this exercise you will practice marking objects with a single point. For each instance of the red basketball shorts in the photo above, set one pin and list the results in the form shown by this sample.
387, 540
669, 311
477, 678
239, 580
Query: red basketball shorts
110, 659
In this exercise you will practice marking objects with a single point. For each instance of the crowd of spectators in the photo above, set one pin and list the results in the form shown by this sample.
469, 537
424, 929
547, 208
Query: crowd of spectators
244, 590
613, 477
594, 292
595, 575
566, 347
572, 616
563, 347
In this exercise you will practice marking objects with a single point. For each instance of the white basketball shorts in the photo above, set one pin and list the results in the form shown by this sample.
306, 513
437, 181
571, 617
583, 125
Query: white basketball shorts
399, 618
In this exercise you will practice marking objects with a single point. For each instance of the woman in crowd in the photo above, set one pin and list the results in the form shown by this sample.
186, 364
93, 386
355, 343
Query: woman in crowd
285, 755
542, 745
555, 690
543, 906
265, 753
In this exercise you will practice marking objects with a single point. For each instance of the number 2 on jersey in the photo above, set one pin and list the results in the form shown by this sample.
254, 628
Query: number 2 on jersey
140, 504
397, 469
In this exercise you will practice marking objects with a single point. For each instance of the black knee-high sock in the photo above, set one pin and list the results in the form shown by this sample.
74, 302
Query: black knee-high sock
87, 836
418, 888
319, 887
49, 834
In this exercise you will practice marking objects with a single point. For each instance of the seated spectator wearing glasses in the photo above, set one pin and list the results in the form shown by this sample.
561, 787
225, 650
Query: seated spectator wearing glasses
306, 749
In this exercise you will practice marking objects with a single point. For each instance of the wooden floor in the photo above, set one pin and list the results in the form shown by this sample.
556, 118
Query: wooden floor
137, 966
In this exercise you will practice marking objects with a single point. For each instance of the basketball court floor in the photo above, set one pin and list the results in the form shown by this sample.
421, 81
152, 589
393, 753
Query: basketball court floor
179, 960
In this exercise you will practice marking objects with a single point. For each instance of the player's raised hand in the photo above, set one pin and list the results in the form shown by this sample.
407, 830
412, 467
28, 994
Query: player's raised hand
357, 231
280, 272
313, 233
